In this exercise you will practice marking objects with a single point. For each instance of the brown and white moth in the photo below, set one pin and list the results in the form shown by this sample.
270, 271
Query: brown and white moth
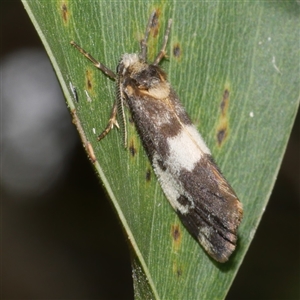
191, 181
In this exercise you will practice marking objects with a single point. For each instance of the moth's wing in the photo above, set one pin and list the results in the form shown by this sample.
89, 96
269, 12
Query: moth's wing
207, 204
216, 214
204, 201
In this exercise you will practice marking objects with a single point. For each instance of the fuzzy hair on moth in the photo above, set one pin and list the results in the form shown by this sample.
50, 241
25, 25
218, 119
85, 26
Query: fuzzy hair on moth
203, 199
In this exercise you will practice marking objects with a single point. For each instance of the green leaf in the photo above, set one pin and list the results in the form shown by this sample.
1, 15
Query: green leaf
234, 64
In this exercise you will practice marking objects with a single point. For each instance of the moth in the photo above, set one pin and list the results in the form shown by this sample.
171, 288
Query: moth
203, 199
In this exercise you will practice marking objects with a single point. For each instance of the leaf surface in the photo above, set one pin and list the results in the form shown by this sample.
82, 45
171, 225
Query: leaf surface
235, 66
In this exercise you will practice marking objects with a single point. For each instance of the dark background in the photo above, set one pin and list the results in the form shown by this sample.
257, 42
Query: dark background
62, 240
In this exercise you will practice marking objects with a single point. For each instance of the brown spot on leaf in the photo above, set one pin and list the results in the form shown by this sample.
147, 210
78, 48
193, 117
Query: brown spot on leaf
223, 124
64, 12
221, 135
89, 80
176, 236
132, 148
224, 102
177, 50
177, 269
175, 232
148, 175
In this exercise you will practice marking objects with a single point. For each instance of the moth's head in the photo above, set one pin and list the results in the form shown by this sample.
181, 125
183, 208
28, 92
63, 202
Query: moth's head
128, 63
144, 77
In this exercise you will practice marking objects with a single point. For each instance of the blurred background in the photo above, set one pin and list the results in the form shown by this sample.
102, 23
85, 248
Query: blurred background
60, 236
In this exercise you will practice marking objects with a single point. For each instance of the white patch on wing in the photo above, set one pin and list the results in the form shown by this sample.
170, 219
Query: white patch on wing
186, 149
171, 187
195, 135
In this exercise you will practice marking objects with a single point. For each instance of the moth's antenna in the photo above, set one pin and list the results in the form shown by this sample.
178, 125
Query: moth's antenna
144, 41
162, 52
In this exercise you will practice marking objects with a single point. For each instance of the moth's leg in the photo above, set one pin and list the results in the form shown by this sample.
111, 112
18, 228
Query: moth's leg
162, 52
111, 122
96, 63
121, 113
144, 41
